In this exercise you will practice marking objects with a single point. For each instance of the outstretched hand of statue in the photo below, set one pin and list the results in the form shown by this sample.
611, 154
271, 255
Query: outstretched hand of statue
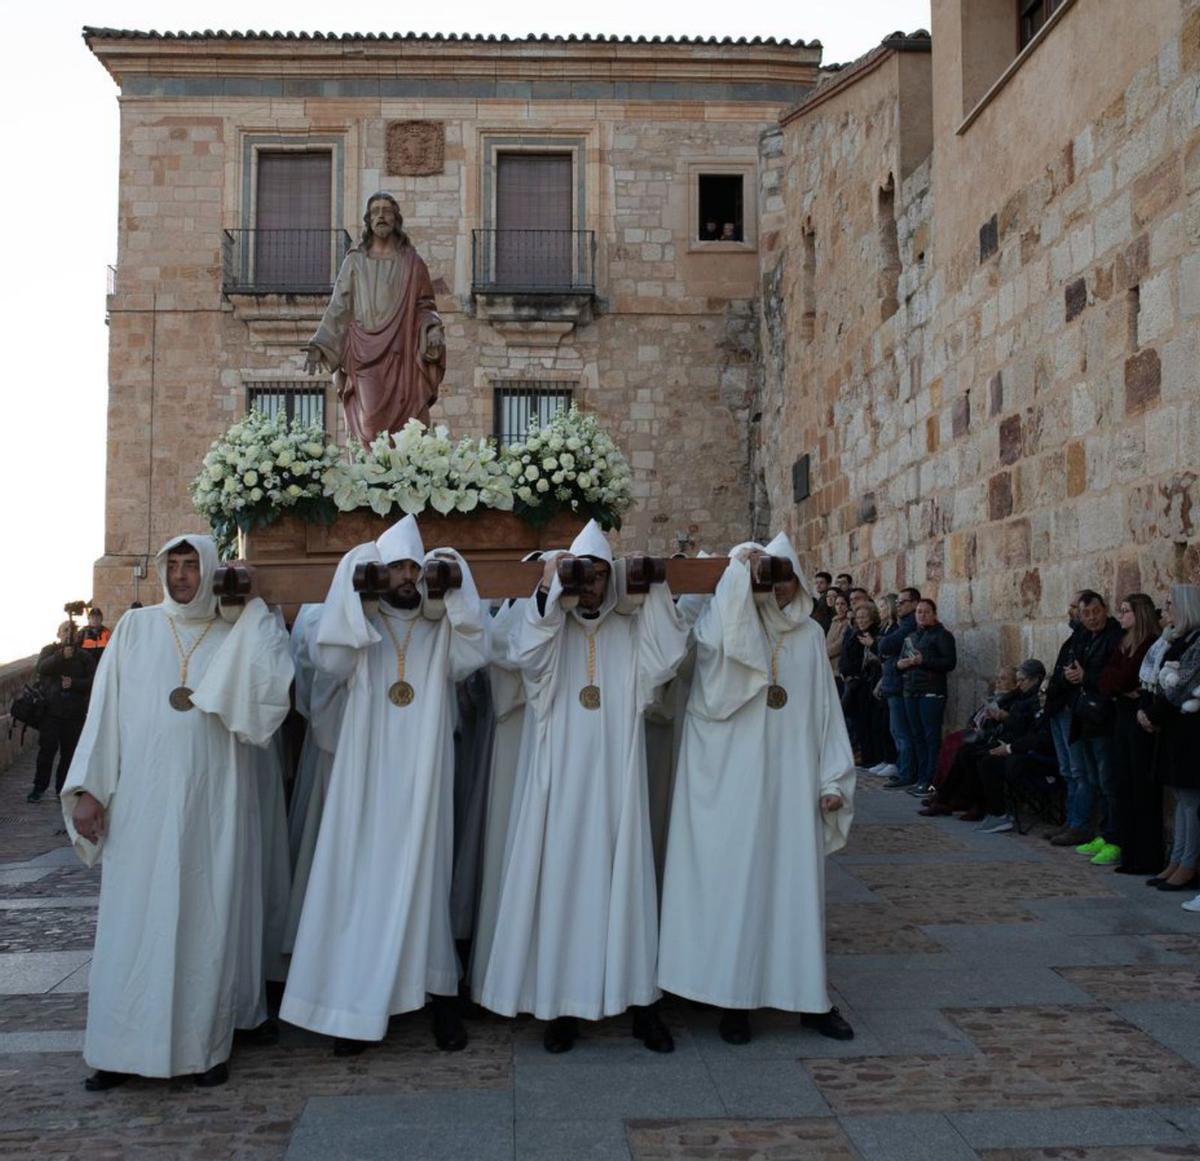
434, 344
314, 361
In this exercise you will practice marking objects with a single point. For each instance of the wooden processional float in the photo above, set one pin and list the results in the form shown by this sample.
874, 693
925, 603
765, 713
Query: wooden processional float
293, 562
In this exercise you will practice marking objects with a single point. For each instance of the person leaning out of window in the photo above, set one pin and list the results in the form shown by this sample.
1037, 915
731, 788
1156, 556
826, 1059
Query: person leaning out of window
1171, 676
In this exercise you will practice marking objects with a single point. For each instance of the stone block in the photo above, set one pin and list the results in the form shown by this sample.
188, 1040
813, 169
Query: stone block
1143, 381
1156, 307
1075, 298
1132, 263
995, 394
961, 416
1157, 189
1000, 496
1010, 439
1005, 546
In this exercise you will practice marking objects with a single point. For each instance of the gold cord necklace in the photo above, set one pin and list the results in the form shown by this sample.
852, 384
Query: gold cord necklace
400, 693
589, 695
180, 697
776, 695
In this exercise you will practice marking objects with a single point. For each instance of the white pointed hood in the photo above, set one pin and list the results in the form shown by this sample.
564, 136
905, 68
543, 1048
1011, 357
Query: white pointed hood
203, 606
592, 542
782, 546
401, 542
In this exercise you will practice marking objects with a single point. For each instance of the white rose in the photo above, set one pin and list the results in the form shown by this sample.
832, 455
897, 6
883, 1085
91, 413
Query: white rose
525, 493
250, 478
256, 494
531, 472
514, 470
573, 443
295, 490
557, 478
584, 480
543, 485
217, 471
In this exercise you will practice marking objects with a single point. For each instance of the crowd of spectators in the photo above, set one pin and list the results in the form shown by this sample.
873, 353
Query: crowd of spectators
1098, 746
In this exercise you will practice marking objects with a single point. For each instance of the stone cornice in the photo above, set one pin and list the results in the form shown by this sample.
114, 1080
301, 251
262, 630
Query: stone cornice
128, 55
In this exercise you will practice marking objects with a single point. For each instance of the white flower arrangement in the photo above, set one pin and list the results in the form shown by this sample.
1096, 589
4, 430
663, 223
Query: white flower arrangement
570, 464
261, 467
418, 468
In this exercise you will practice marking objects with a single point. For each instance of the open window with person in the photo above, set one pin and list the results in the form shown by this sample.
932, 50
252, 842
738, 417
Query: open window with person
721, 210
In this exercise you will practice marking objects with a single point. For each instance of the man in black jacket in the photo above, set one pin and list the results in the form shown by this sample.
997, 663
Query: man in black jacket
66, 673
1059, 693
1092, 716
927, 656
892, 687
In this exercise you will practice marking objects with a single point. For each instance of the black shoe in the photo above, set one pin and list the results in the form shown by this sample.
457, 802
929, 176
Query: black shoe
1187, 885
561, 1034
214, 1077
34, 796
342, 1046
829, 1024
650, 1030
448, 1031
895, 782
265, 1035
735, 1027
102, 1080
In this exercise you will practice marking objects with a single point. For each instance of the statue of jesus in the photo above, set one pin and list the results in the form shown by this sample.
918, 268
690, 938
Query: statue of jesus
381, 335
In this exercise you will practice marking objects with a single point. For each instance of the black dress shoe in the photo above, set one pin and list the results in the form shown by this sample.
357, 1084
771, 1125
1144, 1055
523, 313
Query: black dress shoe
650, 1030
830, 1024
102, 1080
1188, 885
214, 1077
735, 1027
342, 1046
1154, 881
449, 1034
561, 1034
266, 1034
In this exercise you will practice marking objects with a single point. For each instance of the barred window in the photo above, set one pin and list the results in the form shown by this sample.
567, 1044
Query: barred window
519, 401
304, 403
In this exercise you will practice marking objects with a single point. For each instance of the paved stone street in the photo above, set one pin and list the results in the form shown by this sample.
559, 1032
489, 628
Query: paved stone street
1012, 1003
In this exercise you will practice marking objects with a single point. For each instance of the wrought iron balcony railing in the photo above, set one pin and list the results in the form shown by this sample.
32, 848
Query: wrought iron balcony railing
281, 261
533, 261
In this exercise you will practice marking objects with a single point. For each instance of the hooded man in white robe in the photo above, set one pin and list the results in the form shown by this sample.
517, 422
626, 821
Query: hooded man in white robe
576, 931
375, 937
163, 788
763, 792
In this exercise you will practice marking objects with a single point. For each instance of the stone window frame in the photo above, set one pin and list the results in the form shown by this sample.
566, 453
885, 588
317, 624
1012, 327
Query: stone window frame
254, 142
288, 383
487, 380
748, 170
493, 142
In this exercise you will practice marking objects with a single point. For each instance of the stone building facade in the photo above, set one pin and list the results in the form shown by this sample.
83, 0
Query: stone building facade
650, 327
980, 316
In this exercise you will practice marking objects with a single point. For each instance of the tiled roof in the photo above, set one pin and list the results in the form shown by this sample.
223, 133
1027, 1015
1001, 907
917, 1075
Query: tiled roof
531, 38
837, 76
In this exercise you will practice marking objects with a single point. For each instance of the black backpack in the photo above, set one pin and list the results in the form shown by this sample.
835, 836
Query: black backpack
28, 708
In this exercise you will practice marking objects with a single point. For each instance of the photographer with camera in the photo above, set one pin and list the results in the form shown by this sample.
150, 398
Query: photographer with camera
65, 671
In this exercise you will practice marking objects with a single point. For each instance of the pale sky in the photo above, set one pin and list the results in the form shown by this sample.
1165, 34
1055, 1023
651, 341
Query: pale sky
58, 114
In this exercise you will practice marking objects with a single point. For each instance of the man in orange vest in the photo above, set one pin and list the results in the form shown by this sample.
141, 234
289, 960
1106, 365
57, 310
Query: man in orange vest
96, 635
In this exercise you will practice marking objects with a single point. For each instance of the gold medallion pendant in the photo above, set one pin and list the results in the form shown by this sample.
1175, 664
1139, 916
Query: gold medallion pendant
776, 696
181, 698
589, 697
401, 693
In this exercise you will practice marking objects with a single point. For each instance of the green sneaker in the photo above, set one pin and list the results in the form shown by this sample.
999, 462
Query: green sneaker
1092, 848
1107, 855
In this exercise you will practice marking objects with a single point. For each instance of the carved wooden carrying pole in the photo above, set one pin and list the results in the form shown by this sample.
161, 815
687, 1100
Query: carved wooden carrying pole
294, 563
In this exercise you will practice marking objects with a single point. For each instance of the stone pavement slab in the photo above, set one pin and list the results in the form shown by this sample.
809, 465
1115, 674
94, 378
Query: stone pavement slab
444, 1126
38, 971
730, 1140
907, 1137
586, 1140
1072, 1127
1170, 1021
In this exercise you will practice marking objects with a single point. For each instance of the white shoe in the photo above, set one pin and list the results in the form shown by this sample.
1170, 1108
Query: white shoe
990, 823
1192, 904
885, 770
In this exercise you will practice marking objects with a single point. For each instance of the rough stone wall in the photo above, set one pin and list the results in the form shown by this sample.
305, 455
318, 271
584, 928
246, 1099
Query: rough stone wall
1028, 421
667, 361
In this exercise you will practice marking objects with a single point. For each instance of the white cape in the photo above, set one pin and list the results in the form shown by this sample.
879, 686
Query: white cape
576, 928
743, 896
374, 935
178, 953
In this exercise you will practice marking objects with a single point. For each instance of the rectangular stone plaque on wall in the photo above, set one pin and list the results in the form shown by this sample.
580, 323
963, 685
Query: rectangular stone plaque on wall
416, 148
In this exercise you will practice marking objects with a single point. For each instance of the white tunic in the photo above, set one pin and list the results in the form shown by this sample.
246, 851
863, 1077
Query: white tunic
743, 896
374, 936
576, 929
179, 932
510, 718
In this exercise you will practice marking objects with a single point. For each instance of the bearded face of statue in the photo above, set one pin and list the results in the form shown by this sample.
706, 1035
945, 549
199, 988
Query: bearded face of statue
382, 221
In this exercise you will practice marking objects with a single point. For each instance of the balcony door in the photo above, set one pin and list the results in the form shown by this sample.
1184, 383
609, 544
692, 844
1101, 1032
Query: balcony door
534, 201
292, 225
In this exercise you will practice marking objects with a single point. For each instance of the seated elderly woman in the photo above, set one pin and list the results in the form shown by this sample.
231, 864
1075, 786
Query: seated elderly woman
1008, 717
